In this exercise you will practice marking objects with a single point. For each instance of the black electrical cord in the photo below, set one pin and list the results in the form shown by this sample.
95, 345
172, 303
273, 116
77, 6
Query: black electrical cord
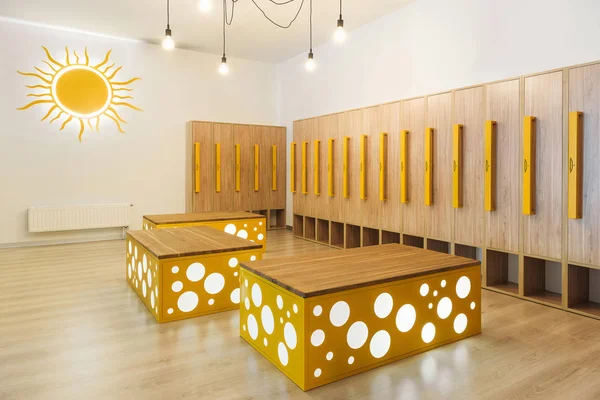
280, 4
168, 13
310, 17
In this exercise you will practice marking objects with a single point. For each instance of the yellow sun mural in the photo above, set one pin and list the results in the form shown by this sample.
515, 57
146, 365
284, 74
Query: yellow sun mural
78, 91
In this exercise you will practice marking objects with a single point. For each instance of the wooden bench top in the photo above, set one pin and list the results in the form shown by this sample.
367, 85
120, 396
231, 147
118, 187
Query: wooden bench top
200, 217
192, 241
339, 270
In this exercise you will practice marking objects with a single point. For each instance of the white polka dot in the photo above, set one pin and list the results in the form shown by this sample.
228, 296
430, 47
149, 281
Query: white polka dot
283, 354
129, 244
145, 263
295, 308
245, 225
144, 288
430, 306
252, 327
280, 320
187, 301
175, 269
260, 236
211, 302
256, 295
339, 314
195, 272
424, 289
170, 311
246, 282
380, 344
444, 308
460, 323
260, 223
139, 270
383, 305
233, 262
288, 314
230, 228
472, 305
463, 287
279, 302
235, 296
357, 335
235, 273
329, 356
156, 290
244, 327
428, 332
351, 360
405, 318
317, 338
265, 342
443, 283
129, 270
252, 258
255, 229
136, 255
289, 334
243, 234
317, 311
435, 293
247, 303
266, 317
214, 283
149, 278
136, 284
177, 286
317, 372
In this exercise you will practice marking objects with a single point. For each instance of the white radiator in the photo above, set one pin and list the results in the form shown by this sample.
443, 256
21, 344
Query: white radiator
70, 218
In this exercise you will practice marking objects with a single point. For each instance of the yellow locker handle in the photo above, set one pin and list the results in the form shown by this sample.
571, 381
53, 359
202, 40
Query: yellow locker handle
575, 176
274, 178
403, 167
256, 165
345, 180
293, 167
383, 166
330, 189
304, 166
237, 167
456, 166
490, 173
363, 172
428, 182
529, 173
317, 160
218, 167
197, 167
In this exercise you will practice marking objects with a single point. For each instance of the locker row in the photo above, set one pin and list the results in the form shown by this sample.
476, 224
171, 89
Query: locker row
234, 167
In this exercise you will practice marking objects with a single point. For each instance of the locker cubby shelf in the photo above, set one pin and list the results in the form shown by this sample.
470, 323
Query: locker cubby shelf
276, 219
337, 234
370, 237
352, 236
584, 290
438, 245
323, 231
467, 251
298, 227
502, 271
542, 280
389, 237
310, 228
415, 241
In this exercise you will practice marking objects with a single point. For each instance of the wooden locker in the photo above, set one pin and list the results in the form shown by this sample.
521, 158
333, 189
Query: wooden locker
203, 196
310, 127
261, 198
353, 205
440, 215
223, 137
468, 220
584, 233
390, 210
242, 136
413, 212
338, 130
298, 197
322, 200
371, 206
503, 106
279, 195
542, 232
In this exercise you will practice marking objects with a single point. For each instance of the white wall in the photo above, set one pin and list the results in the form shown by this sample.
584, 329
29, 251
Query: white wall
41, 166
435, 45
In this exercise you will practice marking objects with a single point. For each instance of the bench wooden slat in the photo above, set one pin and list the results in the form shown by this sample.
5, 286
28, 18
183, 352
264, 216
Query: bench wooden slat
200, 217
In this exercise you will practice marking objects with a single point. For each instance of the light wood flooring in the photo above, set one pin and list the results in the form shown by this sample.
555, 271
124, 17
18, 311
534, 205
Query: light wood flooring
71, 328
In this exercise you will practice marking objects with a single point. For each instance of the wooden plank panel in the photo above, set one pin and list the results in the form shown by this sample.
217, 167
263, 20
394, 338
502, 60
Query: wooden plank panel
413, 212
202, 133
391, 210
322, 200
469, 111
440, 215
338, 129
278, 196
542, 232
584, 233
261, 198
223, 134
310, 135
242, 135
298, 197
503, 106
353, 205
371, 126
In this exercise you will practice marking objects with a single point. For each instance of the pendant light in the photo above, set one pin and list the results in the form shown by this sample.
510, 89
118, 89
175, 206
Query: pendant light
310, 63
168, 43
340, 33
224, 68
204, 6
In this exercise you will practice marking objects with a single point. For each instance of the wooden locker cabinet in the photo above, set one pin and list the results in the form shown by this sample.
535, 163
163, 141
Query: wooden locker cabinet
201, 134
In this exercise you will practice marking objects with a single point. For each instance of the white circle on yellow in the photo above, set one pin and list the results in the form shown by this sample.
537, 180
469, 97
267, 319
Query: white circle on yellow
428, 332
260, 236
235, 296
282, 353
187, 301
279, 302
472, 305
256, 295
383, 305
175, 269
463, 287
233, 262
444, 308
243, 234
230, 228
405, 318
460, 323
145, 263
424, 289
339, 314
380, 344
317, 372
252, 326
252, 258
317, 338
195, 272
317, 311
351, 360
357, 335
177, 286
289, 334
214, 283
295, 308
329, 356
266, 317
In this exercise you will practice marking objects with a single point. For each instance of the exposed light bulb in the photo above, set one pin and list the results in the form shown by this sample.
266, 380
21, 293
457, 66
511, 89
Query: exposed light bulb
204, 5
168, 42
310, 63
224, 68
340, 32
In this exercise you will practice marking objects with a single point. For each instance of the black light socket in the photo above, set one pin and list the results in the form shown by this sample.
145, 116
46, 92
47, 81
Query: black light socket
168, 32
340, 22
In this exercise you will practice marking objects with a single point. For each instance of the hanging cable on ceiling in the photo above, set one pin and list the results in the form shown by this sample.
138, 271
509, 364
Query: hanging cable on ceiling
168, 42
281, 4
310, 63
224, 68
340, 33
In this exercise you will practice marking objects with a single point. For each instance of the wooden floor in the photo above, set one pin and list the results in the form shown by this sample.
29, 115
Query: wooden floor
71, 328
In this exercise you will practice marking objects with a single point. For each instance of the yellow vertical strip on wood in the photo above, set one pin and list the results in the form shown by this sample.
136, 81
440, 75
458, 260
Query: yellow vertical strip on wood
529, 165
428, 167
345, 188
304, 166
403, 167
256, 166
363, 167
383, 151
490, 166
575, 164
197, 167
274, 178
218, 167
238, 166
316, 157
293, 167
457, 166
330, 189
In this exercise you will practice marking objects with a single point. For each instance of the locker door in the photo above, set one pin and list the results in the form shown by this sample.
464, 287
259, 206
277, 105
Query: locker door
371, 206
203, 167
391, 209
242, 136
223, 167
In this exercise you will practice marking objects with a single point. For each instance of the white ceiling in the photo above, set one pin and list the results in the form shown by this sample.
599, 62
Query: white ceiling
251, 36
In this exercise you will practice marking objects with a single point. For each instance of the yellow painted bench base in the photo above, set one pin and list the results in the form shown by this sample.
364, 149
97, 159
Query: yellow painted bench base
185, 287
253, 229
322, 339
